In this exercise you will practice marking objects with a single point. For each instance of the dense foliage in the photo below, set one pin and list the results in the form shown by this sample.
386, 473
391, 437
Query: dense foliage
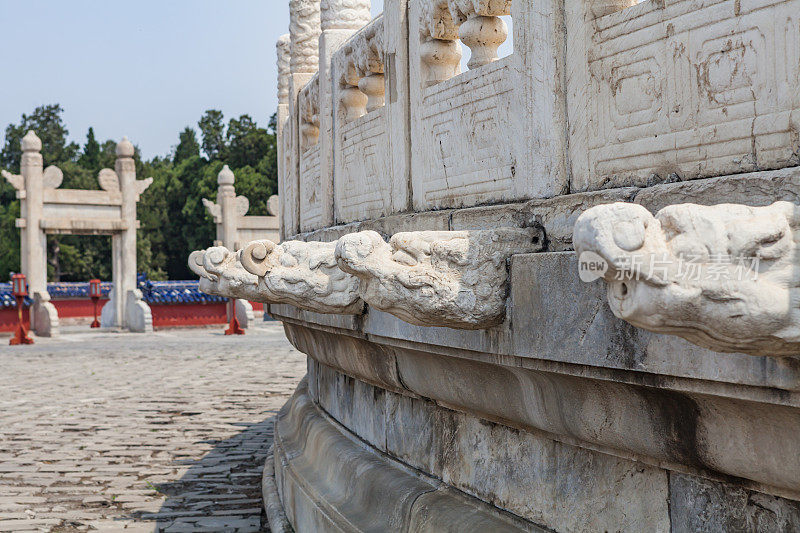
173, 220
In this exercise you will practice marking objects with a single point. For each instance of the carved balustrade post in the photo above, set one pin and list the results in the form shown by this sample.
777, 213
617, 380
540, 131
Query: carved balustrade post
339, 19
304, 32
283, 50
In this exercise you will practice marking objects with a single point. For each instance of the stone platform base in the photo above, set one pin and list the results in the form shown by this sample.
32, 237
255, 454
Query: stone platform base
330, 480
352, 456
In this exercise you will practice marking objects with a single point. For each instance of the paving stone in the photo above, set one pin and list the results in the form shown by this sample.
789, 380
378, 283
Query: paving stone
129, 432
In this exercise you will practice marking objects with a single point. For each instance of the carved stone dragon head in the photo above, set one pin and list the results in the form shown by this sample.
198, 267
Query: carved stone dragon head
725, 277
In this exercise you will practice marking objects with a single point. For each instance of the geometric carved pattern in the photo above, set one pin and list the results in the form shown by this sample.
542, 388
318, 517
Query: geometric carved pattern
467, 145
670, 93
310, 190
365, 190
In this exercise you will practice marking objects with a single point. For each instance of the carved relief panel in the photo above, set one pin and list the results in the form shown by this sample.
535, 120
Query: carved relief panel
666, 96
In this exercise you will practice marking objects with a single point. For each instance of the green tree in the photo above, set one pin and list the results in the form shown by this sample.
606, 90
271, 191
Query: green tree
247, 143
187, 146
189, 227
9, 238
46, 121
212, 131
90, 158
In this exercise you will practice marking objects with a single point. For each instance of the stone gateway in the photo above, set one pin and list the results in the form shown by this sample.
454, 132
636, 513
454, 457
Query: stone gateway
46, 209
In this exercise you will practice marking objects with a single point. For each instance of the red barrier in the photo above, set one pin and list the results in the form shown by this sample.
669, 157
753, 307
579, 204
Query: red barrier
164, 315
8, 318
79, 307
190, 314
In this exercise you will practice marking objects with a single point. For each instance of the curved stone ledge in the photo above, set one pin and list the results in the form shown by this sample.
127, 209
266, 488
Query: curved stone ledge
695, 432
557, 215
331, 481
276, 517
724, 277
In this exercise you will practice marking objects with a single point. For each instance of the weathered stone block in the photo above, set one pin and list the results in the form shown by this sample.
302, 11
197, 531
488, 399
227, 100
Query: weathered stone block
558, 486
596, 337
416, 430
702, 505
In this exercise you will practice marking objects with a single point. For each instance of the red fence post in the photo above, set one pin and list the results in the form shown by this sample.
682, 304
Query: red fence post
233, 328
95, 293
20, 290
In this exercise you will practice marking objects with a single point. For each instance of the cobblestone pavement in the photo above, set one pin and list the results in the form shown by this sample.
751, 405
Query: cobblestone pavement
119, 431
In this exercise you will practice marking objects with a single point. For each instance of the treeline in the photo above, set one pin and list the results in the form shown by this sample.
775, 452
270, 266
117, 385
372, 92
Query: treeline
173, 219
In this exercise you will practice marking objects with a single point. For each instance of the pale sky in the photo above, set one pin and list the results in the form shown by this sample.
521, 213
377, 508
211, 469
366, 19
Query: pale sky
143, 68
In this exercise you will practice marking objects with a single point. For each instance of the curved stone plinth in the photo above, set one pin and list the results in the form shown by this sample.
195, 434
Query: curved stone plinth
329, 480
681, 426
725, 277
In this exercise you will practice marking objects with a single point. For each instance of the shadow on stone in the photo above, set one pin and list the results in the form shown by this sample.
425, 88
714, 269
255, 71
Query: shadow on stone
220, 491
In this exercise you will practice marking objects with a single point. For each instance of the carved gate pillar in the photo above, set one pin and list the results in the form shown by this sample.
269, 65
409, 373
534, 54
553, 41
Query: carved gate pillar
131, 311
44, 318
226, 198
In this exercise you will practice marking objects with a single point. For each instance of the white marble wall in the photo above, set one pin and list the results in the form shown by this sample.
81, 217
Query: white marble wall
594, 95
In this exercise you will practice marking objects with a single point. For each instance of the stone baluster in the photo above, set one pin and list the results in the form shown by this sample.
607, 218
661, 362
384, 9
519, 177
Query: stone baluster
440, 52
309, 114
372, 85
481, 28
353, 100
371, 65
310, 131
